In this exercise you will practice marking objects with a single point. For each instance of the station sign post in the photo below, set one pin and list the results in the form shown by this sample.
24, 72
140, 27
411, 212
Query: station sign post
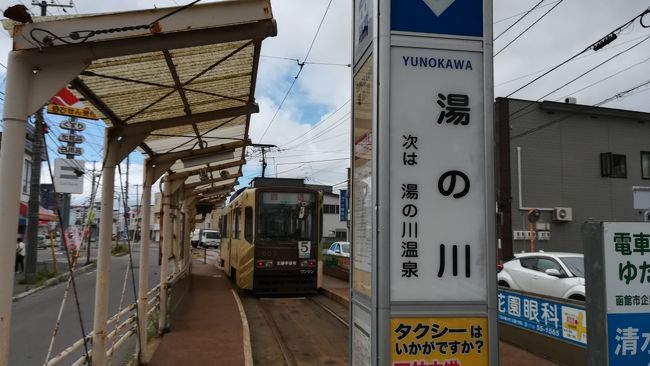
617, 273
422, 200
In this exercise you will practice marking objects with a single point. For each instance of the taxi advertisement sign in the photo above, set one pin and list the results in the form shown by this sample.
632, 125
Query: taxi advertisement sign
439, 341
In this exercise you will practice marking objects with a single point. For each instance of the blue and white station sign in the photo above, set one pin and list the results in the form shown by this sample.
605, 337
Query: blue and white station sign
450, 17
627, 275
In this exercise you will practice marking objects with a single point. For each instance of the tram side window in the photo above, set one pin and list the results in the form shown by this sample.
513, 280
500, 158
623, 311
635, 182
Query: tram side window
248, 224
224, 230
235, 233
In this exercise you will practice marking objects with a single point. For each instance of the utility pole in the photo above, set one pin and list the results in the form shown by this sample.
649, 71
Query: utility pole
44, 4
263, 147
34, 193
91, 217
127, 211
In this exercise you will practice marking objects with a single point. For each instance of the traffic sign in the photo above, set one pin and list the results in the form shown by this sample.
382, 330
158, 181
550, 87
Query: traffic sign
72, 125
69, 175
76, 139
70, 150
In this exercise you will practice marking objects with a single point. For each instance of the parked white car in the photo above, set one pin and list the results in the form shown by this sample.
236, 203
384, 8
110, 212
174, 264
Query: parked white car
340, 248
546, 273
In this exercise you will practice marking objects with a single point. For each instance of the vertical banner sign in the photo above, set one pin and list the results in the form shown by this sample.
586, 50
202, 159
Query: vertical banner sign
627, 276
343, 203
440, 189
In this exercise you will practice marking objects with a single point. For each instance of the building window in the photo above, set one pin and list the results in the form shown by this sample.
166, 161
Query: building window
645, 164
331, 209
613, 165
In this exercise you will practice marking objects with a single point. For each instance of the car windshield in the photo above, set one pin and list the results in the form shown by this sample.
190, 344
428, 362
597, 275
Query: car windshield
345, 248
575, 264
212, 235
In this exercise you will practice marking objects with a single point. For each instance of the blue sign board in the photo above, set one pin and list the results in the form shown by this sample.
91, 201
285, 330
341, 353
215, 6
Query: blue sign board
628, 339
343, 212
450, 17
563, 322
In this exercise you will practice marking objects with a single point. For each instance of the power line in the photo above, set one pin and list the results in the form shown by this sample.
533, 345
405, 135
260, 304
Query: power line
528, 28
515, 15
317, 124
520, 19
617, 30
299, 71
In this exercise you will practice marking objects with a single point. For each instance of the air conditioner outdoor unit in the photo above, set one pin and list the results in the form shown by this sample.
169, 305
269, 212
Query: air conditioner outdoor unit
562, 214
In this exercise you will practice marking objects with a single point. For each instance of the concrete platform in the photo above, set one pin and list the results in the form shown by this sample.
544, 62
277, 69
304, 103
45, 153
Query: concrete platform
208, 328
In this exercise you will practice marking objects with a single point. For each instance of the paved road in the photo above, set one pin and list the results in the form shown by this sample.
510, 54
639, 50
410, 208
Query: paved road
33, 317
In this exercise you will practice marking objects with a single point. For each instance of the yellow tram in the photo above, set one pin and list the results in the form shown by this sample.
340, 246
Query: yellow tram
270, 235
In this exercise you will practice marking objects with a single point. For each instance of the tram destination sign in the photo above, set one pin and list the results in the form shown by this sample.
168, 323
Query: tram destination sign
70, 150
76, 139
72, 125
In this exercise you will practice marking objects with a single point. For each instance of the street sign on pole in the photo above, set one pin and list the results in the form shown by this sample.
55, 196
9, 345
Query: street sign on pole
69, 175
343, 203
423, 72
75, 139
72, 125
70, 150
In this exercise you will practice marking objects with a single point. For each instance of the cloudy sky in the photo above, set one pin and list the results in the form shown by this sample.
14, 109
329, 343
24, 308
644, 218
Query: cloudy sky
312, 126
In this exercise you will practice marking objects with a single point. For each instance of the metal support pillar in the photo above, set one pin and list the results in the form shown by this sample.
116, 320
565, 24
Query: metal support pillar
164, 263
104, 253
143, 271
176, 251
11, 161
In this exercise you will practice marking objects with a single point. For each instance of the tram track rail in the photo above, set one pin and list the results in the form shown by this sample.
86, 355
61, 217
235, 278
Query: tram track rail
330, 311
277, 334
274, 311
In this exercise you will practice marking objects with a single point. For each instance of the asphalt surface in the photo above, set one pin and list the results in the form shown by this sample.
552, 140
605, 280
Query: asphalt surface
34, 317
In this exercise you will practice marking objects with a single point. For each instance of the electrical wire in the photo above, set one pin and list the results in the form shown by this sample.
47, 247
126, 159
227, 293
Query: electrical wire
520, 19
528, 28
317, 124
299, 71
616, 30
63, 226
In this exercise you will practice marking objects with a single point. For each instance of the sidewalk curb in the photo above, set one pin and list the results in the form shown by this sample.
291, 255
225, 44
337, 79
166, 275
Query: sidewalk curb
54, 280
334, 296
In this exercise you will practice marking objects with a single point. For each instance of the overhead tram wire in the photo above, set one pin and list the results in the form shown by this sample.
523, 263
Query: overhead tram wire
520, 19
317, 124
299, 71
336, 124
591, 46
528, 28
623, 93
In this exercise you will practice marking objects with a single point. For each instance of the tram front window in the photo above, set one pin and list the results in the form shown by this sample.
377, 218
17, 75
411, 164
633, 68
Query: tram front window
285, 217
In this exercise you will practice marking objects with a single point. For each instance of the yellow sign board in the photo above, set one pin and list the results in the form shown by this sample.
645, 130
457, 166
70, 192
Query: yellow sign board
439, 342
69, 111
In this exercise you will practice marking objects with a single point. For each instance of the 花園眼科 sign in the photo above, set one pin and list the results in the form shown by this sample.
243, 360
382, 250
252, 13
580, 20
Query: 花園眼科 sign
559, 320
627, 277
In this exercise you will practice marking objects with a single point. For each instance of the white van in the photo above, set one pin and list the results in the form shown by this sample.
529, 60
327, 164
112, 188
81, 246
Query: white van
209, 238
194, 238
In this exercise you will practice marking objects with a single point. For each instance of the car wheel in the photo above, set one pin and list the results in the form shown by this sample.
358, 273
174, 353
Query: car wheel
577, 297
504, 284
